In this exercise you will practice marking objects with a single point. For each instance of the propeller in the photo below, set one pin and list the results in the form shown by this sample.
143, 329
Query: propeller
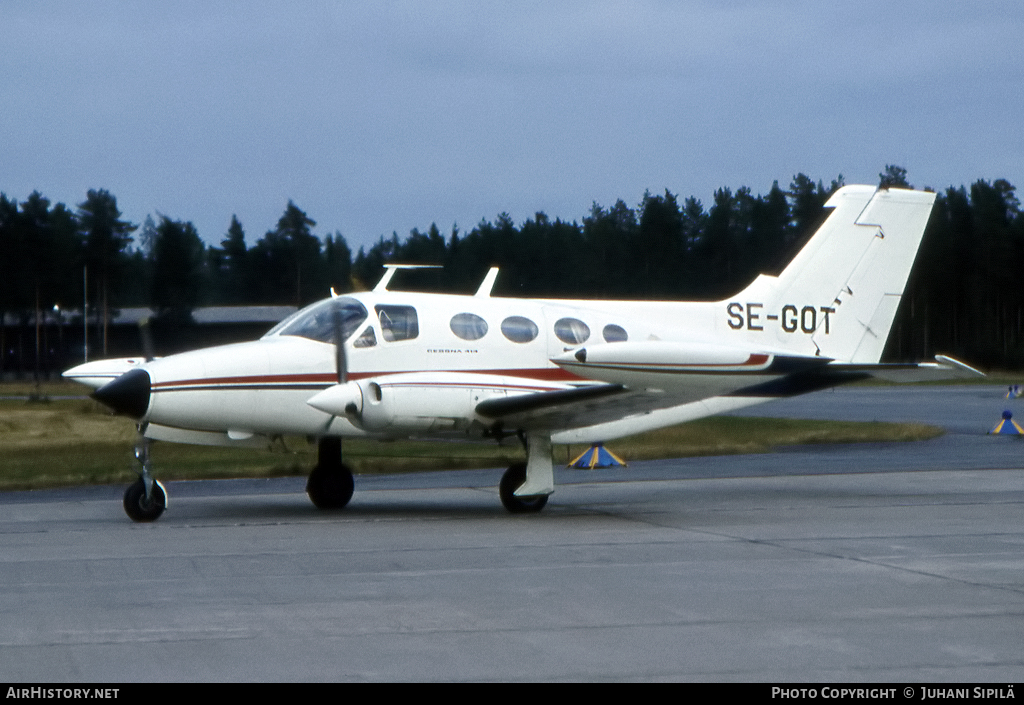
340, 360
344, 398
146, 333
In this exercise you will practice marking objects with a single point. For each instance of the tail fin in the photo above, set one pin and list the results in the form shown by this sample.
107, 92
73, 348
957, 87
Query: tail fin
839, 295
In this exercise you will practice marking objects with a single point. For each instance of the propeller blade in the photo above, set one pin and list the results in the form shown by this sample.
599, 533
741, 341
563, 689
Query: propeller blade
340, 362
147, 338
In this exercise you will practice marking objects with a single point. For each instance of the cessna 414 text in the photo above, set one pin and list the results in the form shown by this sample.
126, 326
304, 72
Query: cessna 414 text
388, 364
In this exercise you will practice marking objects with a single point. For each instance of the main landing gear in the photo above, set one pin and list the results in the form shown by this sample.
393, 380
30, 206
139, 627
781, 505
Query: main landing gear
330, 484
525, 487
512, 480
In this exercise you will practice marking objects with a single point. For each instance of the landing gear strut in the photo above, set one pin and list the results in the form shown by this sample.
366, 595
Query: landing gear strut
330, 484
145, 499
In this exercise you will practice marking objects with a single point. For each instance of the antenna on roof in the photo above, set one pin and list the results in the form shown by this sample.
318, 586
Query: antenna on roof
390, 269
484, 292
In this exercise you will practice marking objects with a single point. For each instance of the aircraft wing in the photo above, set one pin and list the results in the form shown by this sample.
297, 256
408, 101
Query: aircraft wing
529, 403
691, 393
565, 408
576, 408
630, 380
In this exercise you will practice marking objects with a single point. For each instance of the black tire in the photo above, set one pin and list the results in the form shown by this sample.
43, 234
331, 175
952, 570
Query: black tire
138, 508
330, 488
512, 480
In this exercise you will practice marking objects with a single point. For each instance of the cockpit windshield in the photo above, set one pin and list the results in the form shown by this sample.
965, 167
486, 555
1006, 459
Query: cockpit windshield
316, 321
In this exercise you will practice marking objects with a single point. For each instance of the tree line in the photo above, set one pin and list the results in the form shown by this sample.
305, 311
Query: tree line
964, 297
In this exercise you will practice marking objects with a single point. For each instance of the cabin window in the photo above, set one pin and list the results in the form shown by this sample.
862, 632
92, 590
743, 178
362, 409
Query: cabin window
615, 334
519, 329
317, 321
572, 331
398, 322
468, 326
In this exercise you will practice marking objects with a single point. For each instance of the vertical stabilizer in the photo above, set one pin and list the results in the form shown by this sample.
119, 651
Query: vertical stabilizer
839, 295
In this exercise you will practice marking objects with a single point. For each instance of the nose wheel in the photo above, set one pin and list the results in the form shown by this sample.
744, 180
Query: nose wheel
140, 507
145, 499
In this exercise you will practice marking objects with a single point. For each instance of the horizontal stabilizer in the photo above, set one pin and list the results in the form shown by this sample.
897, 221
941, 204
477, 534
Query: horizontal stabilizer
943, 368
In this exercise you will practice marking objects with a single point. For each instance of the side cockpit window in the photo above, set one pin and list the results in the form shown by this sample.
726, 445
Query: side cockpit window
317, 321
398, 322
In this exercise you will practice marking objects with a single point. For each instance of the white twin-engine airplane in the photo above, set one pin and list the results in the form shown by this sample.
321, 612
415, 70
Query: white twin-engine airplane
388, 364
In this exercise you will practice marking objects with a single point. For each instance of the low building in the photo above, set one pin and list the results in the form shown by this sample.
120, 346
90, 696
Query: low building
61, 335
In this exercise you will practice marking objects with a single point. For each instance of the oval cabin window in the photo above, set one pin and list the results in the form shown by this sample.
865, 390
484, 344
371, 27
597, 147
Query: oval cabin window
519, 329
615, 334
468, 326
572, 331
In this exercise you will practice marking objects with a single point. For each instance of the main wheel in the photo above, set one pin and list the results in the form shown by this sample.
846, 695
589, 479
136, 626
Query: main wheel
330, 488
511, 481
138, 507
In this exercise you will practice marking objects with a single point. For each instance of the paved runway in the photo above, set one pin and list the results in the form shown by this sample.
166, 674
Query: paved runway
893, 563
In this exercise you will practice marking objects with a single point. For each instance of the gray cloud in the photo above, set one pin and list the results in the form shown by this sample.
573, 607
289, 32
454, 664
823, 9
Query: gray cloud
379, 117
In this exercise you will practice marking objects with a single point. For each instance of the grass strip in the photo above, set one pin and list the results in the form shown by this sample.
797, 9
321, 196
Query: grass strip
72, 442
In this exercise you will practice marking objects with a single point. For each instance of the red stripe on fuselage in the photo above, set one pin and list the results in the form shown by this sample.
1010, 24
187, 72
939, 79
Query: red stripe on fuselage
324, 380
547, 374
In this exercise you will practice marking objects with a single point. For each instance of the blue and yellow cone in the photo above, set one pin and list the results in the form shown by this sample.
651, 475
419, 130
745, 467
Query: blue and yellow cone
597, 456
1007, 425
1013, 392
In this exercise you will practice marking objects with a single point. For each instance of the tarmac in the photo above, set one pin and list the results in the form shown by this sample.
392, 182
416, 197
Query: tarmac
889, 563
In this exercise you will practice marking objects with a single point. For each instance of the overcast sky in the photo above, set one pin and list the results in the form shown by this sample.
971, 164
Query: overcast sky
380, 117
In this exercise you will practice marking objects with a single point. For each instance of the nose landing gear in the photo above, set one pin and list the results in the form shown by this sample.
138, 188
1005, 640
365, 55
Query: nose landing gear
145, 499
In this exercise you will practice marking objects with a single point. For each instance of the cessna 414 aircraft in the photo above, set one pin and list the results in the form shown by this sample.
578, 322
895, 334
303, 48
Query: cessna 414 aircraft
387, 364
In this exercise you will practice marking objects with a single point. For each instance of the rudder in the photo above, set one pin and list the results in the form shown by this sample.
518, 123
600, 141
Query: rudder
838, 297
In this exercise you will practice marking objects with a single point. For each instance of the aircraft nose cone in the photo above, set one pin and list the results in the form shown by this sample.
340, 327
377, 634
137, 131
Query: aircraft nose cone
128, 394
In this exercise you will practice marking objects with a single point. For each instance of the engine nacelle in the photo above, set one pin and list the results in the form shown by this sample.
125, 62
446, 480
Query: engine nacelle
413, 402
